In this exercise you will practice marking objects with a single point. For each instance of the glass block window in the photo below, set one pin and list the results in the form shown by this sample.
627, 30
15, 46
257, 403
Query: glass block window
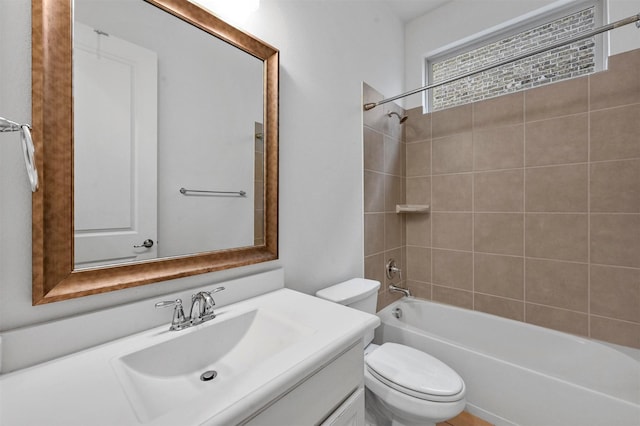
565, 62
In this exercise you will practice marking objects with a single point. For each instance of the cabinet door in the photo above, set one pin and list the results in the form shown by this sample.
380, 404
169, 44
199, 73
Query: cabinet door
350, 413
318, 397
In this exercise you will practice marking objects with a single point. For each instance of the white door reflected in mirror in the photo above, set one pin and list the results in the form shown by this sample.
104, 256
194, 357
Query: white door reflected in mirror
115, 149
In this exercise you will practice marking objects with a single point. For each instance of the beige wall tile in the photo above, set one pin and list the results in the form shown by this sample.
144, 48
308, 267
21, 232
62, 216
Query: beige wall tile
419, 289
615, 292
418, 230
556, 236
451, 121
373, 150
453, 269
501, 191
499, 275
373, 192
619, 85
394, 156
419, 158
557, 141
614, 133
393, 192
452, 296
498, 148
500, 111
258, 227
452, 231
418, 264
373, 233
374, 267
419, 190
386, 297
557, 189
620, 332
557, 319
499, 233
560, 284
452, 154
615, 239
556, 100
506, 308
374, 118
452, 192
418, 126
393, 230
615, 186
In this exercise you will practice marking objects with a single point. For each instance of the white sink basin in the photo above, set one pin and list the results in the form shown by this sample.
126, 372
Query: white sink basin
161, 377
261, 348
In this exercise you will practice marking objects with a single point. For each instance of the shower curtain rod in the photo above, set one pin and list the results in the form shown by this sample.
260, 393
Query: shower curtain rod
605, 28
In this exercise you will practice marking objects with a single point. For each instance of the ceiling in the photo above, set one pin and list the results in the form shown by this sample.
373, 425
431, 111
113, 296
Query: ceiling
410, 9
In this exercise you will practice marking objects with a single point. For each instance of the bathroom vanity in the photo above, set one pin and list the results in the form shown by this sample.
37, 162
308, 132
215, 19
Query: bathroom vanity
257, 362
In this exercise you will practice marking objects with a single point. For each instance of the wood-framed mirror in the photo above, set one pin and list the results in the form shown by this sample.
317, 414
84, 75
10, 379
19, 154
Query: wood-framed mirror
56, 275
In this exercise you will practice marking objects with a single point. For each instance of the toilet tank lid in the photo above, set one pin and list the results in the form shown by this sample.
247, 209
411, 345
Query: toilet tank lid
350, 291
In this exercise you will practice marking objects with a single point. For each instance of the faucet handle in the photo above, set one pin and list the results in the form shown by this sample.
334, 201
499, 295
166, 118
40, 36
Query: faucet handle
179, 321
215, 290
209, 303
167, 303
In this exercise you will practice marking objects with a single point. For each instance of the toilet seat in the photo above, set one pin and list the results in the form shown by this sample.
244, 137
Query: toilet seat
415, 373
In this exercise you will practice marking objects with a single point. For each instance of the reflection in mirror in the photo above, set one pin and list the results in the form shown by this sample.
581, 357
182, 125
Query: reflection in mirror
153, 115
175, 99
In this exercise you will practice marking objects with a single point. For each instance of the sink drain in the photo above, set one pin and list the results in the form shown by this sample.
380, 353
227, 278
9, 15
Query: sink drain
208, 375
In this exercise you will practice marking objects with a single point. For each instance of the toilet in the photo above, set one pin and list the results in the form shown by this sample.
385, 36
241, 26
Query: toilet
404, 386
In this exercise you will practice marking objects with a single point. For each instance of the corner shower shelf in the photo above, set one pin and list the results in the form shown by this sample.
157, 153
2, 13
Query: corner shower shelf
412, 208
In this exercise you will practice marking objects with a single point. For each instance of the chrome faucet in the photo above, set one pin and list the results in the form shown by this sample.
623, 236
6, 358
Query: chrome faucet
405, 291
201, 309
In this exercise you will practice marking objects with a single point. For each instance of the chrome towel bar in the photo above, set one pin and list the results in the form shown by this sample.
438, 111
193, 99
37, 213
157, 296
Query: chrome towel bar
185, 191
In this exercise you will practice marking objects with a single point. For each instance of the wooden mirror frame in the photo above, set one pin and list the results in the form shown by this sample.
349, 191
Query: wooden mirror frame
54, 278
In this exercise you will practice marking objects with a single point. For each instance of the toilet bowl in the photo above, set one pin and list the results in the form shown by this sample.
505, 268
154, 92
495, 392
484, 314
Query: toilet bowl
410, 387
404, 386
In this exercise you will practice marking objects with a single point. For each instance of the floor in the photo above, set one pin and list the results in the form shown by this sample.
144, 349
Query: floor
465, 419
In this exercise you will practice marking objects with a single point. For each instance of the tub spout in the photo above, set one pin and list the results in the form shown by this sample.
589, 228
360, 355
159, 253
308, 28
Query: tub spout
404, 291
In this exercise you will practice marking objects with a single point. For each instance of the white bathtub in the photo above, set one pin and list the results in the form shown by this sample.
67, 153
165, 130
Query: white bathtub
521, 374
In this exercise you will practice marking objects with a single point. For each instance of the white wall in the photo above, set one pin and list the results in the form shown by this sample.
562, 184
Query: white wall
460, 19
327, 50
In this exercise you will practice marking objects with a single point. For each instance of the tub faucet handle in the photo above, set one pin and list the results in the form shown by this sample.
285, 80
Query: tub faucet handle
393, 269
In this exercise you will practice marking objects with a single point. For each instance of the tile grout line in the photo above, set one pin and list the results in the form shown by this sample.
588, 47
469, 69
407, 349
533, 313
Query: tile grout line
473, 209
589, 206
524, 207
431, 204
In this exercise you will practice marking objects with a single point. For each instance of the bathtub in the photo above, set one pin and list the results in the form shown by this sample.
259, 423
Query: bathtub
522, 374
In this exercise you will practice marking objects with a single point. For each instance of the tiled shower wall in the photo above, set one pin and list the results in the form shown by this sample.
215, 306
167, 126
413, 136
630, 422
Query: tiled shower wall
535, 205
384, 187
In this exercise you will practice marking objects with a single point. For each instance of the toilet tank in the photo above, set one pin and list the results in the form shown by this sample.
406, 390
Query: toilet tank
357, 293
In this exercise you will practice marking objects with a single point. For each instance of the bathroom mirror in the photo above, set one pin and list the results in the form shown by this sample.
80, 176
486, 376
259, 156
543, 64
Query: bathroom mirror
72, 158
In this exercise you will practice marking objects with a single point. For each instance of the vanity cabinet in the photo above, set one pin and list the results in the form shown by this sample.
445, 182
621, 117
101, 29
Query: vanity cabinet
331, 396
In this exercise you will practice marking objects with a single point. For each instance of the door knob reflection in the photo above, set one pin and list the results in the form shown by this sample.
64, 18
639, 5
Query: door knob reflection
148, 243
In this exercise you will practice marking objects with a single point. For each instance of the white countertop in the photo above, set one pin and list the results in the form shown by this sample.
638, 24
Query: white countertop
84, 389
